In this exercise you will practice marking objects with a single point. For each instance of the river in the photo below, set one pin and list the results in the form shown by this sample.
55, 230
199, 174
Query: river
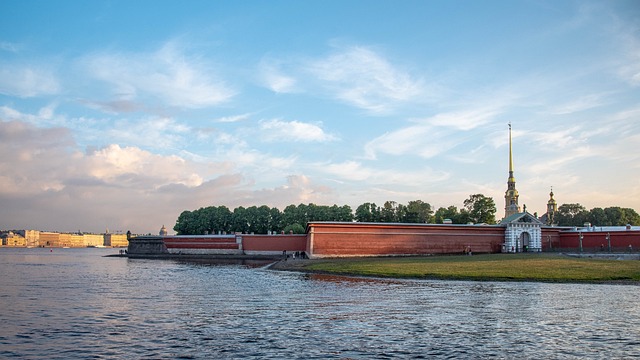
77, 304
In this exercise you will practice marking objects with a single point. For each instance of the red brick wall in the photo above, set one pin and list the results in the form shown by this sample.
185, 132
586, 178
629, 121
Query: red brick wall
272, 243
592, 240
550, 235
373, 239
201, 242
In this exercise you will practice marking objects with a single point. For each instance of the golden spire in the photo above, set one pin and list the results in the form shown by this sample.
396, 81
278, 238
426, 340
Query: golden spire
510, 156
511, 195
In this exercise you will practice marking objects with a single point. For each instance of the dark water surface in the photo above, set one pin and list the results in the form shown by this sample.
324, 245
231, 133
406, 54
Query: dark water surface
74, 303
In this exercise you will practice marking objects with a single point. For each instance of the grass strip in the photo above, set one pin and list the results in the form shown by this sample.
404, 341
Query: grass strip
523, 267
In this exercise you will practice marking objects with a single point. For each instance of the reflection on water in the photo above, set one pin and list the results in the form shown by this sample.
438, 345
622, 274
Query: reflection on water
74, 303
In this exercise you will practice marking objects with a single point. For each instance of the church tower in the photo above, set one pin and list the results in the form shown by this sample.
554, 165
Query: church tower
511, 195
552, 208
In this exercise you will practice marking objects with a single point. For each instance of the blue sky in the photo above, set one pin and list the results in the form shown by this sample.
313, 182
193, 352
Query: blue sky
122, 114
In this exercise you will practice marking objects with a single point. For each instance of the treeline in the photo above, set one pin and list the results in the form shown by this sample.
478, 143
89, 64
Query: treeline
578, 215
258, 220
294, 218
477, 209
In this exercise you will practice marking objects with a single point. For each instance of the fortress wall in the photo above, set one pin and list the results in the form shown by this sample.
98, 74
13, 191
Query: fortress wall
380, 239
550, 238
147, 245
202, 244
273, 244
593, 240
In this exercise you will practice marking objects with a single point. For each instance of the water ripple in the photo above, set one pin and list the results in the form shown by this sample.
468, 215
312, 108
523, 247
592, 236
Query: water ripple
76, 304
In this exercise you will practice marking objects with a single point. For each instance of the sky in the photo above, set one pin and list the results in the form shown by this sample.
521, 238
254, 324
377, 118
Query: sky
120, 115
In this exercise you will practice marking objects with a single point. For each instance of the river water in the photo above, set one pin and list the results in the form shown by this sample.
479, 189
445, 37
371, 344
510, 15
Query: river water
75, 303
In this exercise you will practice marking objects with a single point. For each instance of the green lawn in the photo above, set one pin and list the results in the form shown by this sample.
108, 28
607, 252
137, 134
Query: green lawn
533, 267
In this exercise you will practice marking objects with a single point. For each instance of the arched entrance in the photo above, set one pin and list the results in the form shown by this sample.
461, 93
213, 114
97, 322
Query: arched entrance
523, 241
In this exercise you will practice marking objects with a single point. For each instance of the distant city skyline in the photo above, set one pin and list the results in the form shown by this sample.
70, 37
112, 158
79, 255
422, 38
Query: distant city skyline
120, 115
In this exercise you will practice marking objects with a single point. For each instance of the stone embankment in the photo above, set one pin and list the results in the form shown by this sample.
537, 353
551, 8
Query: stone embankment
606, 256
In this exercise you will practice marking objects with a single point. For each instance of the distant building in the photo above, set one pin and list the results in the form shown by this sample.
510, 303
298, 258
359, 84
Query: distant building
93, 240
12, 239
31, 236
49, 239
116, 240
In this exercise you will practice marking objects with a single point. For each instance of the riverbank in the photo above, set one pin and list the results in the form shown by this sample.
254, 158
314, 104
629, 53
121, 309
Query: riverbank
198, 257
486, 267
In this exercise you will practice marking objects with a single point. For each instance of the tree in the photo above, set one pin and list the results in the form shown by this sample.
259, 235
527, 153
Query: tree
617, 216
240, 221
572, 215
295, 228
445, 213
275, 219
388, 212
341, 213
598, 217
368, 212
261, 219
480, 209
451, 213
293, 214
631, 217
417, 211
183, 224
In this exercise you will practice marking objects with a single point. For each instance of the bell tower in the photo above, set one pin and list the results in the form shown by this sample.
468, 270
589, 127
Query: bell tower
511, 195
552, 208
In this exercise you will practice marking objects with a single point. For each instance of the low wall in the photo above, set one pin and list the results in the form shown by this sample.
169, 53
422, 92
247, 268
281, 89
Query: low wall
203, 244
380, 239
147, 245
238, 244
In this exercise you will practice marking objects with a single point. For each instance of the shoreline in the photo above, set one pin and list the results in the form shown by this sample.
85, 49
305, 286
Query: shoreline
197, 257
303, 266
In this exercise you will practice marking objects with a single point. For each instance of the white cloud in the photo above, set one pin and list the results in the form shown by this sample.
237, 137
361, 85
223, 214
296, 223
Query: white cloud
9, 46
46, 184
152, 132
258, 162
354, 171
45, 115
365, 79
27, 81
284, 131
167, 74
114, 106
425, 138
112, 164
579, 104
235, 118
274, 79
464, 120
298, 189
